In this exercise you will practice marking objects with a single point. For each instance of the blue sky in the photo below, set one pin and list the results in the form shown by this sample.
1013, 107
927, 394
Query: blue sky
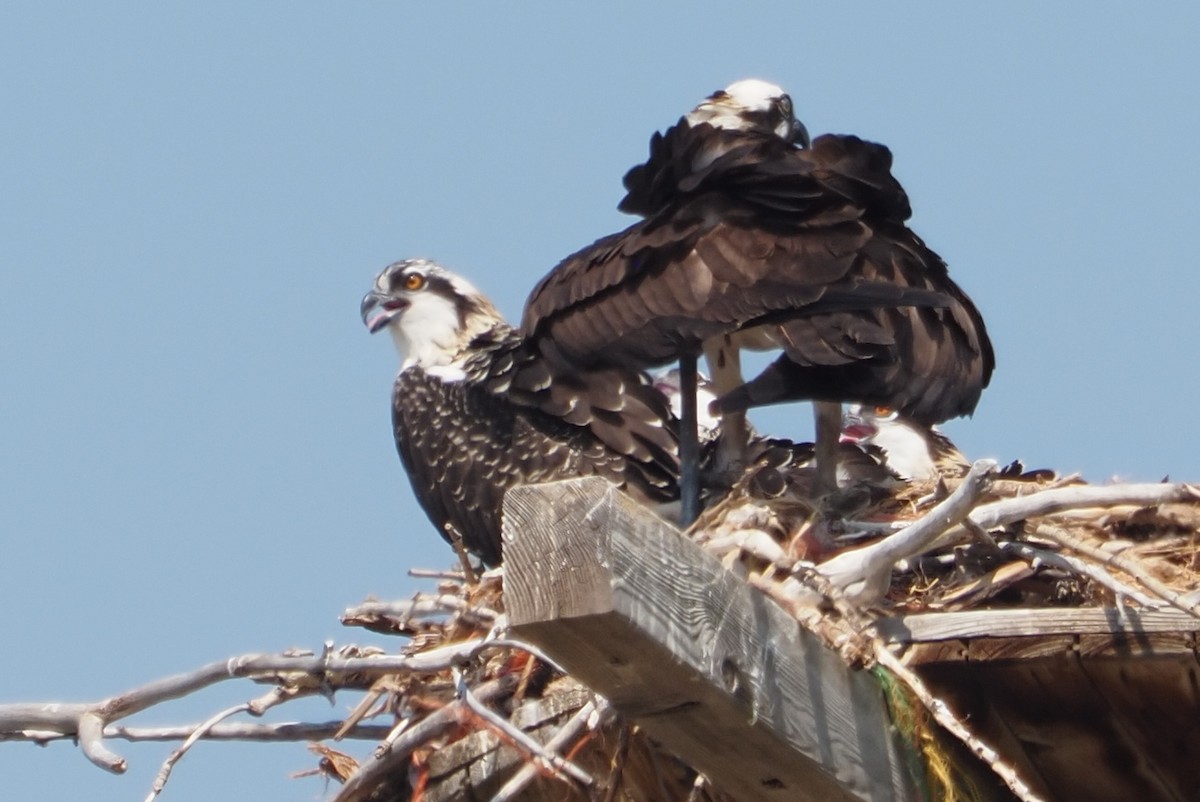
195, 455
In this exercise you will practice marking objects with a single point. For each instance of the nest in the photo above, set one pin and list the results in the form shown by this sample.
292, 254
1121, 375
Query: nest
502, 721
1089, 551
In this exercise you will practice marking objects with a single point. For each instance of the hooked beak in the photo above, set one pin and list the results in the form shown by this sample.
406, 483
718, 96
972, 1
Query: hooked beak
378, 310
800, 135
855, 429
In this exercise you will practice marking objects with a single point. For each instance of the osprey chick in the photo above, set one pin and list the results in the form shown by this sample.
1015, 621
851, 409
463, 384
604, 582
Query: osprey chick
477, 410
912, 450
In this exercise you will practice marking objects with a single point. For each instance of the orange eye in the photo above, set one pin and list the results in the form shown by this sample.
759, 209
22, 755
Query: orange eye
414, 281
883, 412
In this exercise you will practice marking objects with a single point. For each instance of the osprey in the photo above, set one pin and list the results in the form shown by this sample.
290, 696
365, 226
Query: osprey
919, 452
670, 384
912, 450
754, 237
476, 409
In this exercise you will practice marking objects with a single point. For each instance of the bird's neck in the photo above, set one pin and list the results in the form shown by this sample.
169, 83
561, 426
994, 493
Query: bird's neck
908, 451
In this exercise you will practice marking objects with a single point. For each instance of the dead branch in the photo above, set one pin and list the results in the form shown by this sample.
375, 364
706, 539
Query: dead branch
954, 725
423, 604
231, 731
398, 614
370, 772
297, 673
1073, 565
164, 773
550, 760
1011, 510
428, 573
1120, 562
592, 715
863, 575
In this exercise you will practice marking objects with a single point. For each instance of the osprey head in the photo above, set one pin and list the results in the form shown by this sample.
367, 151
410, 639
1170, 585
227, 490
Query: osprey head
907, 445
433, 314
668, 383
752, 105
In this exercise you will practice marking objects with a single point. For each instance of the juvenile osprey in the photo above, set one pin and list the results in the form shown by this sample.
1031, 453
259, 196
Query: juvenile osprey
912, 450
916, 451
669, 383
753, 238
477, 410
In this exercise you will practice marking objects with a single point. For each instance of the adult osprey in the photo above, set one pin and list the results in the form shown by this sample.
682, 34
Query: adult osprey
477, 410
754, 238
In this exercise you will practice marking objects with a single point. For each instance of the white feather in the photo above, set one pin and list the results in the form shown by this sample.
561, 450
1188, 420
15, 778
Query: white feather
727, 109
427, 334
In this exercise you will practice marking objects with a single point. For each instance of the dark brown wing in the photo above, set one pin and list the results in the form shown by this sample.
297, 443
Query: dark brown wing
810, 243
641, 297
464, 443
930, 363
615, 405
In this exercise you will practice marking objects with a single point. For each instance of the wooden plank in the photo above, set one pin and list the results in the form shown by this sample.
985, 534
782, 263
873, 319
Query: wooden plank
712, 669
1017, 623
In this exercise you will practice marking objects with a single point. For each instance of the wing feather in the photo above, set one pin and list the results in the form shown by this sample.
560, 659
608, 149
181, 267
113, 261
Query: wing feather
809, 245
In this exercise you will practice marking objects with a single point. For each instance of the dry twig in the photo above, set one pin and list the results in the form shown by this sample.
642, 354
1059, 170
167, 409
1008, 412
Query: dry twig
592, 715
1074, 565
437, 723
1122, 563
863, 575
954, 725
299, 674
550, 760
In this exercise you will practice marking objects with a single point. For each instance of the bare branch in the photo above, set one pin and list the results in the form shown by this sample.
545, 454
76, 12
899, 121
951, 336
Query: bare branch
592, 715
423, 604
398, 614
164, 773
1074, 565
442, 721
954, 725
298, 673
1011, 510
245, 731
255, 707
454, 575
552, 761
90, 729
864, 574
1121, 563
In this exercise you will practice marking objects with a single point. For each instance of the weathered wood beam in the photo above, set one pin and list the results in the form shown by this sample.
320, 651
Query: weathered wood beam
706, 665
1022, 623
982, 636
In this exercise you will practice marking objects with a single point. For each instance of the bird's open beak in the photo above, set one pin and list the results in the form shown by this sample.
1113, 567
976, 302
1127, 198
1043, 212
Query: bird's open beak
378, 310
855, 429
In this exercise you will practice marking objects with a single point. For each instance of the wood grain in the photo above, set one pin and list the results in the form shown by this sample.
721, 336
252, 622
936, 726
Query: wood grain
712, 669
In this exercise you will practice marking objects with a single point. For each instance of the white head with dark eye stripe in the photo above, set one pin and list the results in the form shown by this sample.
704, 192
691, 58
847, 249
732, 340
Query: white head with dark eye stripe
907, 445
432, 314
754, 106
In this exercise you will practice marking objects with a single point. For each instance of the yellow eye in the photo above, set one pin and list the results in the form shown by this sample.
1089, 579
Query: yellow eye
414, 281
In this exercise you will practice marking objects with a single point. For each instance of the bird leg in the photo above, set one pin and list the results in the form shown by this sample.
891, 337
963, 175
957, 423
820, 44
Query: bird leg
828, 416
725, 365
689, 443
